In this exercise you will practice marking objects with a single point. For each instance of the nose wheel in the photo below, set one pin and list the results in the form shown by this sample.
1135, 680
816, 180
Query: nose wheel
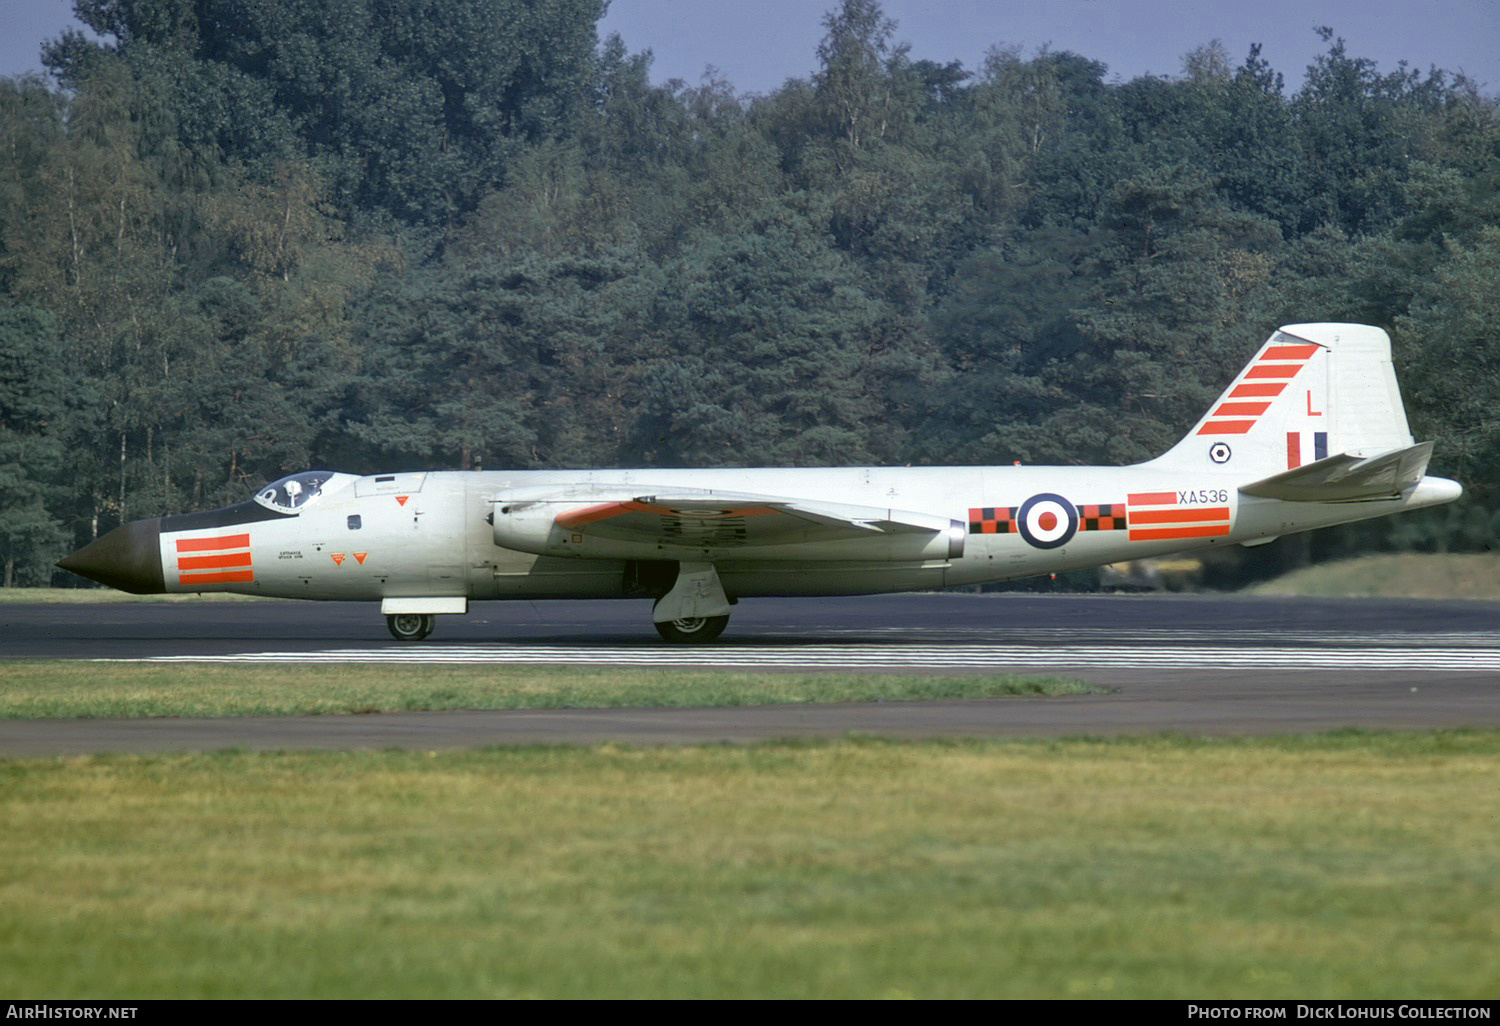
409, 626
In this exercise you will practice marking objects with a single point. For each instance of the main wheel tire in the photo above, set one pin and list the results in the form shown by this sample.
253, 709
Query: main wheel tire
409, 626
693, 630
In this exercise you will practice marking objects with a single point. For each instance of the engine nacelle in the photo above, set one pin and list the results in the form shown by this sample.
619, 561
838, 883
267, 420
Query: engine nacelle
529, 526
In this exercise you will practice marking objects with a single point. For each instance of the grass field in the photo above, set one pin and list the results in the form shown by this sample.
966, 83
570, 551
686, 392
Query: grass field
30, 690
1394, 575
1341, 866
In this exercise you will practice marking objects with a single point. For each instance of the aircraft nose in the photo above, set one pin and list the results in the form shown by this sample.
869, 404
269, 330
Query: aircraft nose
127, 558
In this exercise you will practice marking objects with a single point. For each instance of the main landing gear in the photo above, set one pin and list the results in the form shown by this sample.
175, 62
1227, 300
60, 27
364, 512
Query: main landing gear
695, 609
409, 626
692, 630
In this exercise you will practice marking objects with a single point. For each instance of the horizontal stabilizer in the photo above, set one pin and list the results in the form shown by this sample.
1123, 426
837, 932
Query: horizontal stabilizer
1347, 477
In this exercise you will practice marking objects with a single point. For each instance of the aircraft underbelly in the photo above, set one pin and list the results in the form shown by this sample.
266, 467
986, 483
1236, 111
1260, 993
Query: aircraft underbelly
836, 579
520, 575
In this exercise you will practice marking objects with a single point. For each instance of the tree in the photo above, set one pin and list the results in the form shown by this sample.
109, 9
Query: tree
765, 343
1005, 326
852, 83
34, 411
1450, 363
502, 360
412, 109
1079, 157
1166, 315
1358, 132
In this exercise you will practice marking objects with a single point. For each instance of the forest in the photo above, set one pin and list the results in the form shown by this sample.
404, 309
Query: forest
240, 238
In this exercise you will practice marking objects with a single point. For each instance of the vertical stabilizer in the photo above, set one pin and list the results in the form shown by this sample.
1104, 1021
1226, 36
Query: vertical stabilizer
1311, 392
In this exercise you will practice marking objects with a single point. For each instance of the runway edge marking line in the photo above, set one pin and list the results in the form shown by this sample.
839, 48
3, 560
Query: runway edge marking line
998, 657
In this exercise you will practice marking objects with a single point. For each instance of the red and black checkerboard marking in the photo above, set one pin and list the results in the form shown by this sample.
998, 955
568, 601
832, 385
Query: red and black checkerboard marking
992, 520
1108, 516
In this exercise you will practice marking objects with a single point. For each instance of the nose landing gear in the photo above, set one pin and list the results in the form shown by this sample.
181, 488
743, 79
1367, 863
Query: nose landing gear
409, 626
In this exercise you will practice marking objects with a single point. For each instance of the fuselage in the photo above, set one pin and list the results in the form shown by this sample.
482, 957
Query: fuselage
431, 534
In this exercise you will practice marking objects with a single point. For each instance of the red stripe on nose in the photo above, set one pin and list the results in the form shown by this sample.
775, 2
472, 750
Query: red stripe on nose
219, 561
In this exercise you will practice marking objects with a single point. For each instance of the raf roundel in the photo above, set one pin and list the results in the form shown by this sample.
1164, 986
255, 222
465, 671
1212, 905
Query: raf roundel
1047, 521
1219, 452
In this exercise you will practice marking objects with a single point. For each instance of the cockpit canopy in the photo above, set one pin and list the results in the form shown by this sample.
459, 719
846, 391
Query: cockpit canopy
294, 492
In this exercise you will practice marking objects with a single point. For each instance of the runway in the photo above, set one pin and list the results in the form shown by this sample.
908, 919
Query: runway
1206, 665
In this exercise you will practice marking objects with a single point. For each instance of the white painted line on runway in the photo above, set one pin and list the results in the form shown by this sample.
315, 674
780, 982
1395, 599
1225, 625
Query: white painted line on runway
1156, 635
998, 657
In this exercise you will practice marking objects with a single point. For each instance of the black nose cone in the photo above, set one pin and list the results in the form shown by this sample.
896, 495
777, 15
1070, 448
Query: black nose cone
128, 558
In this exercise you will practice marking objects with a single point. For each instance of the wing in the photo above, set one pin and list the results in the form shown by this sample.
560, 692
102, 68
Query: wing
758, 521
690, 523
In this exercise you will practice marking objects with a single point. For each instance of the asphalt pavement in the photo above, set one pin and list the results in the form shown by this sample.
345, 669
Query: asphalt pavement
1218, 665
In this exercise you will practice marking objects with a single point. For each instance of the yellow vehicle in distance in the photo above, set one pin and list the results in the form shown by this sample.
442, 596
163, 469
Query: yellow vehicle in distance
1154, 573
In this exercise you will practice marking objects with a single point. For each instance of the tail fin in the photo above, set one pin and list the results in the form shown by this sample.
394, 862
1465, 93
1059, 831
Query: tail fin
1312, 392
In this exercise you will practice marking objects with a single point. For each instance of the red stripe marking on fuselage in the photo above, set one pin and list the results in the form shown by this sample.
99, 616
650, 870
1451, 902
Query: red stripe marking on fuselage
1152, 498
1178, 516
1166, 533
223, 541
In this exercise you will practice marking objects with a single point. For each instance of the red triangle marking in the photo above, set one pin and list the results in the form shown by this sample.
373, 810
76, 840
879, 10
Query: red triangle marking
359, 557
337, 557
402, 499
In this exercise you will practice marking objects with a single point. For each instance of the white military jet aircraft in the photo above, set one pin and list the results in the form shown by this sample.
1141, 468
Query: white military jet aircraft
1310, 433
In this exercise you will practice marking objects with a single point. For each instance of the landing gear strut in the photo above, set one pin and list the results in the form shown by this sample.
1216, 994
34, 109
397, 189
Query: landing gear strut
692, 630
409, 626
695, 609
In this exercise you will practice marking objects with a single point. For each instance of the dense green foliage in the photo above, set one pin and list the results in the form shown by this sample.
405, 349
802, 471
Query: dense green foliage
239, 239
